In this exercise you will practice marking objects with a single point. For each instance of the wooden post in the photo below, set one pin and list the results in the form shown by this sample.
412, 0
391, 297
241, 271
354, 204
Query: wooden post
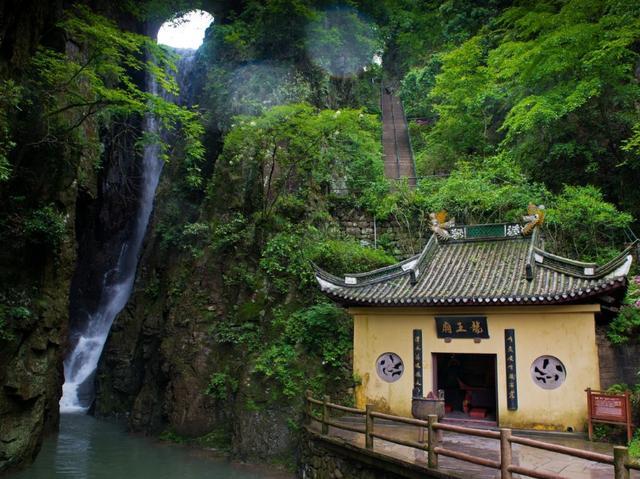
325, 415
620, 459
432, 442
627, 400
505, 453
308, 410
368, 438
589, 409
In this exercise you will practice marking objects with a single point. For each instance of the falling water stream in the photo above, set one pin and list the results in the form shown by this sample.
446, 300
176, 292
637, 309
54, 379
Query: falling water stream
88, 448
81, 363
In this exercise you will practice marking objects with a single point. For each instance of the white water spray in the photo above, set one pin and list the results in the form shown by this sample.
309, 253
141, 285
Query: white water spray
81, 363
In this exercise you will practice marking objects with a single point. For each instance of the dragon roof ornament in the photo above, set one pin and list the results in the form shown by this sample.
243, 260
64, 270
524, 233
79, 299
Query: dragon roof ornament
499, 263
534, 218
440, 225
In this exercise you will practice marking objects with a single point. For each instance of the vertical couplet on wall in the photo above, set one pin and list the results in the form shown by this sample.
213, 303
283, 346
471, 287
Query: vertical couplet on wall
510, 361
417, 363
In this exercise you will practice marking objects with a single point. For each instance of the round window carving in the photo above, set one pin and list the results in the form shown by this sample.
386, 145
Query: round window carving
548, 372
390, 367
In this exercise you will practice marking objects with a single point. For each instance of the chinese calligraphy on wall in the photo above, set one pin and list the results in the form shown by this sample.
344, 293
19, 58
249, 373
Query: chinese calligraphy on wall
510, 361
417, 363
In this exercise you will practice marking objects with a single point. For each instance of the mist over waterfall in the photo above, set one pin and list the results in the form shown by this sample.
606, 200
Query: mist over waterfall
89, 336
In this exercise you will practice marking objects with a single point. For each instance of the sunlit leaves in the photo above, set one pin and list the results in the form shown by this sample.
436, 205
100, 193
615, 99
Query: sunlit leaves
101, 79
297, 149
584, 224
551, 84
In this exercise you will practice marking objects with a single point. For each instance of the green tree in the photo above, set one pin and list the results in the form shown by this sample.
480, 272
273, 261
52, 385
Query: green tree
341, 42
585, 226
295, 153
552, 84
416, 87
465, 100
99, 82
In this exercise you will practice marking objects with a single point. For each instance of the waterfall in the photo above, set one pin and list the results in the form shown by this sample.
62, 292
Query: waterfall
82, 361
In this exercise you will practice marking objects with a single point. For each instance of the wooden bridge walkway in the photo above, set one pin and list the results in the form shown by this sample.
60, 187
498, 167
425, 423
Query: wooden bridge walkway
446, 451
398, 155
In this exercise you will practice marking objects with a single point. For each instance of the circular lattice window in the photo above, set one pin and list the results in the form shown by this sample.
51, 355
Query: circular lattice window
548, 372
390, 367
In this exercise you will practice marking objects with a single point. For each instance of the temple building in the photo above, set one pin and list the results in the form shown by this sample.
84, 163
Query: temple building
484, 313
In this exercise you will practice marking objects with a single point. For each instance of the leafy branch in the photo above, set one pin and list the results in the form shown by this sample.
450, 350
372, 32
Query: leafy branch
99, 77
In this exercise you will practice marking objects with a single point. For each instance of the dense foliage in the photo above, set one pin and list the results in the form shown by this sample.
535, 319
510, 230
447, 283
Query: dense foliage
10, 94
627, 324
514, 102
81, 92
102, 81
295, 148
552, 85
277, 173
580, 223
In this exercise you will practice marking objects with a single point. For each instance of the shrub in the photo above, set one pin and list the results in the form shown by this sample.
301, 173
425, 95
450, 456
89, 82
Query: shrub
585, 225
278, 362
323, 330
284, 262
627, 324
221, 384
46, 226
15, 313
634, 446
347, 256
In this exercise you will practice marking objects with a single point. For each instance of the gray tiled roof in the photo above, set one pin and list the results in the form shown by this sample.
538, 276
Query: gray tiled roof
500, 271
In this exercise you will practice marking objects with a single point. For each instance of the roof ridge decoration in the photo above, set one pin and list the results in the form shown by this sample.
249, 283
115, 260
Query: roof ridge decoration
496, 264
531, 255
618, 266
440, 224
534, 218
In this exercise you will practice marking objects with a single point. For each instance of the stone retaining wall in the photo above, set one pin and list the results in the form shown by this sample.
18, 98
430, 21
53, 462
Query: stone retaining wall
618, 364
382, 233
325, 457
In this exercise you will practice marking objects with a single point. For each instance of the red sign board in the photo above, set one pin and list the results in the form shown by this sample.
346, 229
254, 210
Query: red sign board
609, 408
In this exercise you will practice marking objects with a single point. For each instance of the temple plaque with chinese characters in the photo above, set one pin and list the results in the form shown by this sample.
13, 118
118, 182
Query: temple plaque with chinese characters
470, 327
510, 361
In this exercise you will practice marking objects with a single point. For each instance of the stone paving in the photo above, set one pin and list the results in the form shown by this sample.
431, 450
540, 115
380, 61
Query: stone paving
538, 459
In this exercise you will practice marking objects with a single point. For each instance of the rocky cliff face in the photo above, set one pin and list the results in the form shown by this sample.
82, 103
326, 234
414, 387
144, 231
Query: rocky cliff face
31, 358
157, 364
55, 200
35, 269
158, 360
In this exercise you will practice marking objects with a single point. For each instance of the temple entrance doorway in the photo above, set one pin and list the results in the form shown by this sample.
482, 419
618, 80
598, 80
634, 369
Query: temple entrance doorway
469, 385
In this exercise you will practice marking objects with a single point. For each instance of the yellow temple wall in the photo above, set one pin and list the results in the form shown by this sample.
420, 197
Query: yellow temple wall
566, 332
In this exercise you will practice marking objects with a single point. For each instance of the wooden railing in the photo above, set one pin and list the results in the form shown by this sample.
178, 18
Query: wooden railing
620, 459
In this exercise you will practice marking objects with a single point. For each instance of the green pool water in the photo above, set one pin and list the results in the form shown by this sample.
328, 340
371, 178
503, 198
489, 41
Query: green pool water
86, 448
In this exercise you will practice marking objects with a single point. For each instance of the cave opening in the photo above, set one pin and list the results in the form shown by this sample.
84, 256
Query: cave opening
185, 31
